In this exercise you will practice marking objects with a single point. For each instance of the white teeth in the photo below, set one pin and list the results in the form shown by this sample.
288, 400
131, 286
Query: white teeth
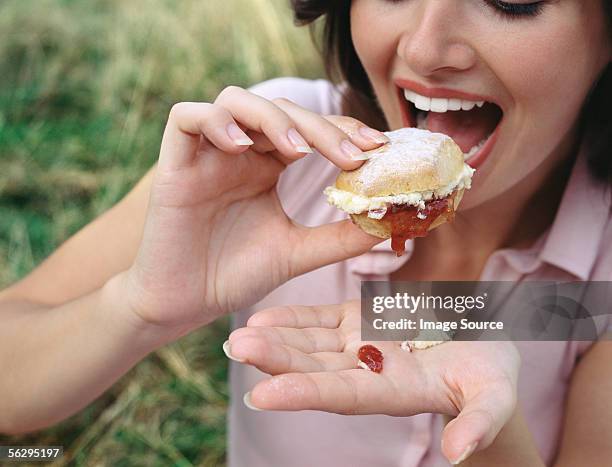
409, 95
467, 105
454, 104
422, 103
438, 104
474, 150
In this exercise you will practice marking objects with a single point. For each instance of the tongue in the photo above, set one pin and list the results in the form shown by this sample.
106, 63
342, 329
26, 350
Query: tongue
467, 128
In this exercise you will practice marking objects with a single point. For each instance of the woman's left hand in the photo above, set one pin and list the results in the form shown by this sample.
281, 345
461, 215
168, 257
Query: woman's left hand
312, 353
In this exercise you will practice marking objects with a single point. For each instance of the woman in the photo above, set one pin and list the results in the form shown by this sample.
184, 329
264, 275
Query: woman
204, 244
539, 209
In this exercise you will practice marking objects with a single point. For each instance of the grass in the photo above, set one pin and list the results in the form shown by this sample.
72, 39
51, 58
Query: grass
85, 89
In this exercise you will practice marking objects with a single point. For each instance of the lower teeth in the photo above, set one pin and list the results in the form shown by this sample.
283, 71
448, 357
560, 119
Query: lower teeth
474, 149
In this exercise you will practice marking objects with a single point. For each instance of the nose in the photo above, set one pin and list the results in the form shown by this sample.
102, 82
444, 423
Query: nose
433, 40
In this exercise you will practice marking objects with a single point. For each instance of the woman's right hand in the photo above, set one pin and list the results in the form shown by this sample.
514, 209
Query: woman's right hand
216, 238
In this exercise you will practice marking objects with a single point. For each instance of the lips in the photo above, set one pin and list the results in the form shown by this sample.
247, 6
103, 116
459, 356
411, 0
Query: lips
474, 128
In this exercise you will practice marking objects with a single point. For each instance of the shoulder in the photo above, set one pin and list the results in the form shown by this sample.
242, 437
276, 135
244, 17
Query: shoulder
317, 95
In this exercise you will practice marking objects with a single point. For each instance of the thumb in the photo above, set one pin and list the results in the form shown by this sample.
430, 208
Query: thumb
477, 425
328, 244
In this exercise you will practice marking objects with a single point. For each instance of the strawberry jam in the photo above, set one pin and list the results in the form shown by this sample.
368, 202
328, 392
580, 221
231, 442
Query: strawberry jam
371, 357
408, 222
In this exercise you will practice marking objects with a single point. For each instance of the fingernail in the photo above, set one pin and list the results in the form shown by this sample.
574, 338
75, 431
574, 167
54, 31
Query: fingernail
247, 401
467, 453
238, 136
352, 151
299, 143
228, 352
373, 135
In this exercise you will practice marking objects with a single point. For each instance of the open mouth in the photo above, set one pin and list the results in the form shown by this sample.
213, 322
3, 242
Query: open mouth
471, 124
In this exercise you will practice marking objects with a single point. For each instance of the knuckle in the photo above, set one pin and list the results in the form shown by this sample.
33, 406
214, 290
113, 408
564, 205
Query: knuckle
182, 109
179, 109
229, 92
282, 101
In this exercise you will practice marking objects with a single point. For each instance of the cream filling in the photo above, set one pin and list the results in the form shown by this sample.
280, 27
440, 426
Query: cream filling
376, 206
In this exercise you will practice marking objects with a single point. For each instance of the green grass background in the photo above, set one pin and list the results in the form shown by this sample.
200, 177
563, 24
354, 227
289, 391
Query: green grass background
85, 89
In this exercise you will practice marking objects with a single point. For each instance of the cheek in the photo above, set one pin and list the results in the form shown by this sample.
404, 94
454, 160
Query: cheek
549, 80
375, 39
547, 75
549, 72
372, 53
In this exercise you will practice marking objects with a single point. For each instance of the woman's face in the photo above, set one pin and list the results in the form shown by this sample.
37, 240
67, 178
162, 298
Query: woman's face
533, 68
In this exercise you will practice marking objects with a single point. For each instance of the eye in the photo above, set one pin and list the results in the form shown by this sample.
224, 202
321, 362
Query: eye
508, 9
516, 10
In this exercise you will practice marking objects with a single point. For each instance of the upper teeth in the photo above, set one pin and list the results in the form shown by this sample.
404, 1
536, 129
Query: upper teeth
439, 104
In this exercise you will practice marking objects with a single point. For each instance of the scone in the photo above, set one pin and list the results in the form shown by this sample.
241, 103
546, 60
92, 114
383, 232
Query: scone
405, 188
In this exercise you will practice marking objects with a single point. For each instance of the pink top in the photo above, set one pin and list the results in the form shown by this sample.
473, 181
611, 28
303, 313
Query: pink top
574, 248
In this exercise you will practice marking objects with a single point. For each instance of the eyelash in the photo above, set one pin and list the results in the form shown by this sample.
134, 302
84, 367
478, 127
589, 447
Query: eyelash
509, 10
516, 10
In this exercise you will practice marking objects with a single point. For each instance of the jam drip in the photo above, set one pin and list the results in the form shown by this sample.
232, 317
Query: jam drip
408, 222
372, 357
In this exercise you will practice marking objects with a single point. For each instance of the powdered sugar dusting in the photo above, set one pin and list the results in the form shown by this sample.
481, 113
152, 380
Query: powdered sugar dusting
411, 147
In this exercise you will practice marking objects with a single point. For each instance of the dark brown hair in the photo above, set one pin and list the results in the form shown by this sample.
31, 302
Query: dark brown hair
343, 64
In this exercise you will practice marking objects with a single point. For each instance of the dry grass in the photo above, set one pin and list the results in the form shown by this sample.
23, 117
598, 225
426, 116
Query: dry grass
86, 87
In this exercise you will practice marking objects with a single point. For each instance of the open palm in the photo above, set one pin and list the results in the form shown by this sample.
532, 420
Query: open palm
312, 351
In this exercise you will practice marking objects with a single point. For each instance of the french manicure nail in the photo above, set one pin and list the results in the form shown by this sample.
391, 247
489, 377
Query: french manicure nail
299, 143
228, 352
373, 135
247, 401
467, 453
238, 136
352, 151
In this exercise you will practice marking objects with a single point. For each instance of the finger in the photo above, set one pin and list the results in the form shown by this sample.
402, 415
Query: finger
328, 244
348, 392
339, 139
479, 422
308, 340
187, 122
361, 134
293, 129
274, 359
263, 116
324, 316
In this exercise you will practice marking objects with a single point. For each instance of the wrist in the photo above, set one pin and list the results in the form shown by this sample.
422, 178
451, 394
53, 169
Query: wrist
122, 317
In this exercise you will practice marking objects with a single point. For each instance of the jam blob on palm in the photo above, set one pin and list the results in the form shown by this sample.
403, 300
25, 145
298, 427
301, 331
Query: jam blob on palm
371, 358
